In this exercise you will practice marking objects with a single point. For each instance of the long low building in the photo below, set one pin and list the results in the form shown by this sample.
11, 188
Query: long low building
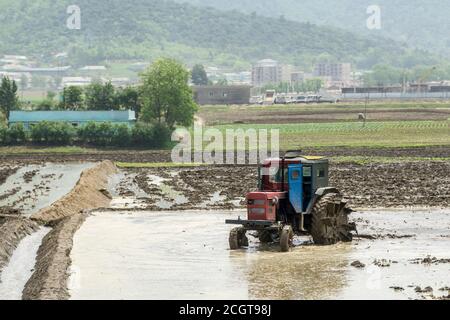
75, 118
214, 95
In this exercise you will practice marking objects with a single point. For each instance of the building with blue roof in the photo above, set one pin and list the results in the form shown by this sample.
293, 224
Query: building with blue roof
75, 118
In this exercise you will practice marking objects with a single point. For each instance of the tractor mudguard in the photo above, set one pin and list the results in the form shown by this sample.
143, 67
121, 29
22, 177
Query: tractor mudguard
319, 194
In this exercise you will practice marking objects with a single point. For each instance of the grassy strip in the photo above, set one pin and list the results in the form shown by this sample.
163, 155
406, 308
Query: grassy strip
382, 160
344, 134
340, 159
45, 150
158, 165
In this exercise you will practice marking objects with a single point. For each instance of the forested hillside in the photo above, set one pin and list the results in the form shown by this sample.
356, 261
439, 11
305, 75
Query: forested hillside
146, 29
421, 23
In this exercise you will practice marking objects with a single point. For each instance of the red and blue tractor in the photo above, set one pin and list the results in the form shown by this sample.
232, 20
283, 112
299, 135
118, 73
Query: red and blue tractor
294, 197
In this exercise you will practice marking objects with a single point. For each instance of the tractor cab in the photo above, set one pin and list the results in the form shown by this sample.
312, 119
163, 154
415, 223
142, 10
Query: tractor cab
294, 196
299, 177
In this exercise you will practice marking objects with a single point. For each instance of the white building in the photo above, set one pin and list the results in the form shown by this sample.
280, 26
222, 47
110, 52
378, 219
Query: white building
76, 81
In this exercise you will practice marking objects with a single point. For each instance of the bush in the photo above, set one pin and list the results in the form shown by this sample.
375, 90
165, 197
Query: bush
121, 136
150, 135
3, 135
96, 134
58, 133
87, 134
15, 134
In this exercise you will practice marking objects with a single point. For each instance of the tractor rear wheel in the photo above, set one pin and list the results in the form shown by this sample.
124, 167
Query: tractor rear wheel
238, 239
330, 220
287, 234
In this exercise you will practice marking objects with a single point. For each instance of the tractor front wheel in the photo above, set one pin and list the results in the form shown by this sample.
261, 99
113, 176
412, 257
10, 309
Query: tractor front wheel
238, 239
286, 237
330, 223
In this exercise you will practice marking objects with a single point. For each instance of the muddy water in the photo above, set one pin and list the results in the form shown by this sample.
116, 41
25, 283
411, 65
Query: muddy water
44, 185
184, 255
20, 268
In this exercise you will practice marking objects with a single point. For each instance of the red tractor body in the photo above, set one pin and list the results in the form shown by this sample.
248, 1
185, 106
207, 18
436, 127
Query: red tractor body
294, 197
262, 206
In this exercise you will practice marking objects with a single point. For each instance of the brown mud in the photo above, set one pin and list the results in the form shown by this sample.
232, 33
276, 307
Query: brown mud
258, 116
6, 171
396, 185
161, 156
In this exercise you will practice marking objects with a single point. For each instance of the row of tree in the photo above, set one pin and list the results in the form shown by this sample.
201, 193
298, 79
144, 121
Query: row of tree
97, 96
164, 97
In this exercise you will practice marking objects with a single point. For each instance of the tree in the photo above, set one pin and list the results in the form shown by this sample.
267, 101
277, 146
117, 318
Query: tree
128, 98
198, 75
48, 103
72, 98
100, 96
8, 96
167, 97
222, 82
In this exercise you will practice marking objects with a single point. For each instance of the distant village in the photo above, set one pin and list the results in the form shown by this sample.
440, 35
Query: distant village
338, 81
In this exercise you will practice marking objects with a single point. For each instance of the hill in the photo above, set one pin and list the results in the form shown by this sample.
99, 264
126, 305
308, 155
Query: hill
421, 24
147, 29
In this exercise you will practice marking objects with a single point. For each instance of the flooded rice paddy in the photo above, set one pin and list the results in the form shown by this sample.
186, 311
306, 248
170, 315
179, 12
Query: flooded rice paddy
184, 255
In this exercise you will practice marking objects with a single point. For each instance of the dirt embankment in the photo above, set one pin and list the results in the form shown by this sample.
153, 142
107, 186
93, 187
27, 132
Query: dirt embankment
49, 280
87, 194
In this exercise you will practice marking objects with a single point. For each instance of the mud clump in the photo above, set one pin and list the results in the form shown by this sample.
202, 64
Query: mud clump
358, 264
28, 176
429, 260
382, 263
49, 280
7, 171
8, 211
425, 290
395, 288
86, 195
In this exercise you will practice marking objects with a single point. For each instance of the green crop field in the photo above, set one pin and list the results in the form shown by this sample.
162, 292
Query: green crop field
350, 134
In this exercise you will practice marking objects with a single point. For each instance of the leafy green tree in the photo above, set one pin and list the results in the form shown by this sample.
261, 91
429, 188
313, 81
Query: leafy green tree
199, 76
72, 98
8, 96
167, 97
45, 105
48, 103
128, 98
100, 96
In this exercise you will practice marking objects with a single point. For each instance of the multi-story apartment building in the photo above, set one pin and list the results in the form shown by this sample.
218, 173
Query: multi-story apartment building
341, 72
